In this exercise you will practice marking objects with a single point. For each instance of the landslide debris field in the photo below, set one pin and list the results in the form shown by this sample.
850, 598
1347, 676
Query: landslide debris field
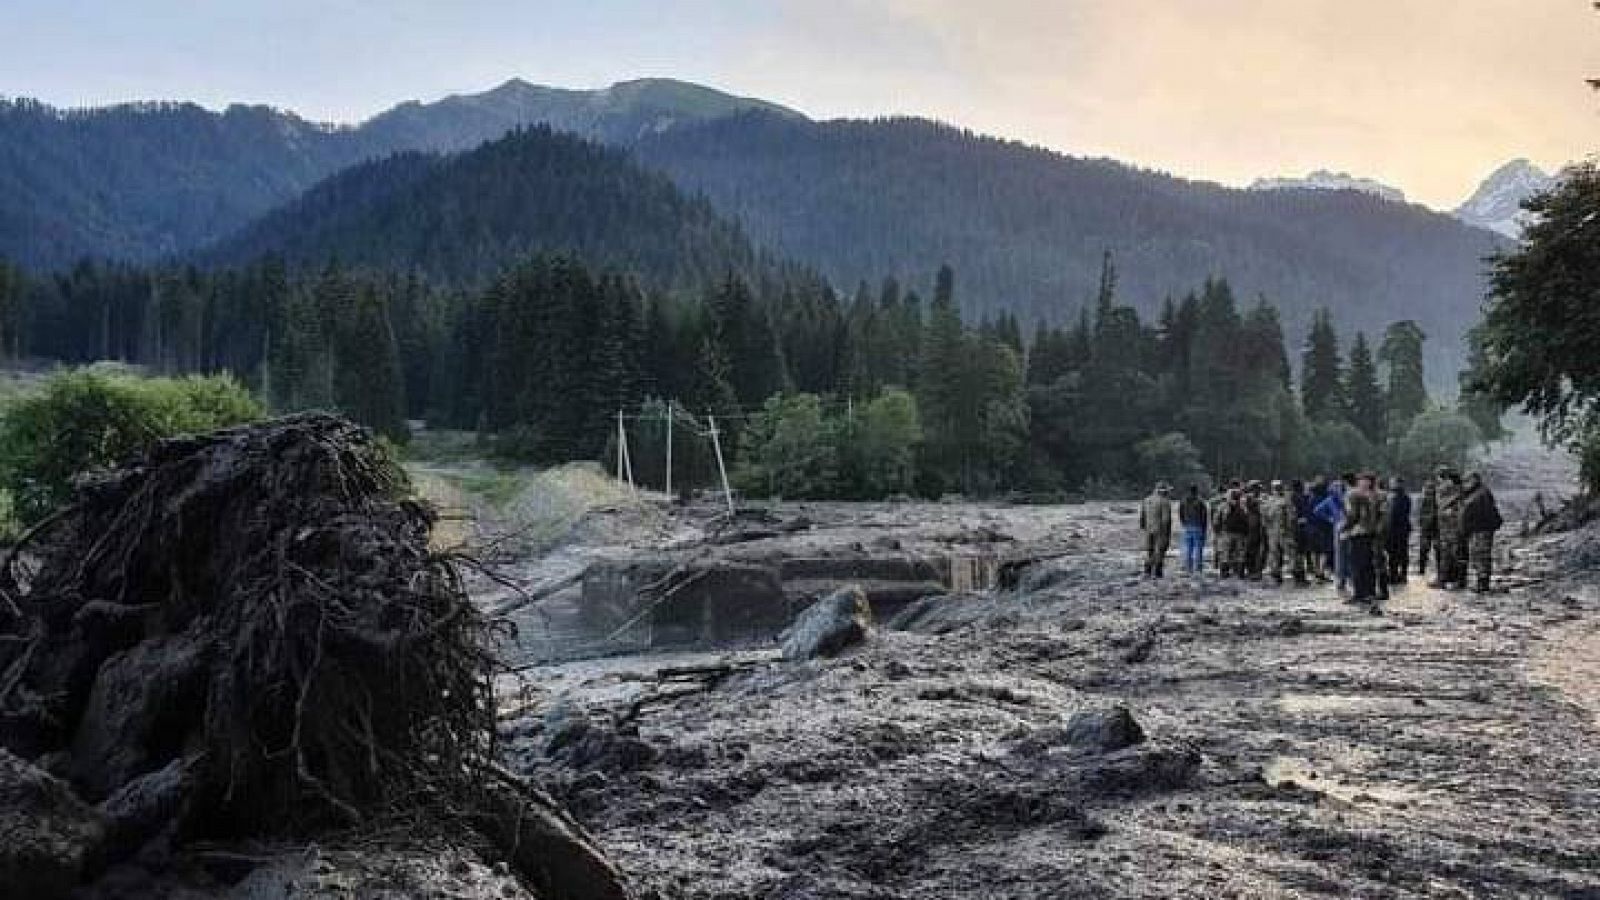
1064, 729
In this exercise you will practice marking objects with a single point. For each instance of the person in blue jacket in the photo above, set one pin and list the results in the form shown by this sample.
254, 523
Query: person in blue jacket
1321, 532
1331, 512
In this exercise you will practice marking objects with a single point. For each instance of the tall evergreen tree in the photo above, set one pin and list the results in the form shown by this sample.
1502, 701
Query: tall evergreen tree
1321, 371
1364, 396
1406, 391
369, 385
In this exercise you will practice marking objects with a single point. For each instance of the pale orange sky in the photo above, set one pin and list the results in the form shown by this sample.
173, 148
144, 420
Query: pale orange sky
1428, 95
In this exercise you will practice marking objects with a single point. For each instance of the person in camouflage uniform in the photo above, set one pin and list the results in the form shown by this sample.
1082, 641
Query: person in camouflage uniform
1155, 520
1428, 524
1219, 510
1362, 526
1450, 566
1480, 519
1233, 529
1278, 519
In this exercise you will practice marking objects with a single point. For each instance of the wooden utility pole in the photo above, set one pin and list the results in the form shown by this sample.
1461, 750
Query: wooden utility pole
624, 462
670, 411
722, 467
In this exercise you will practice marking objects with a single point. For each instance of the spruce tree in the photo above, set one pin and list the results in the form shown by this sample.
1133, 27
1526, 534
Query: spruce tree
1321, 372
1364, 396
369, 384
1406, 391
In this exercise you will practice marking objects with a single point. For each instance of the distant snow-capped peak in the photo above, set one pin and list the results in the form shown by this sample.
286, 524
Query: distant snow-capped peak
1323, 180
1497, 204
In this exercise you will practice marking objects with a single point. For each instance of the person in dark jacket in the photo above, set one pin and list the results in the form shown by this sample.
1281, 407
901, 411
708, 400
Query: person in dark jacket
1398, 538
1195, 518
1480, 519
1255, 542
1305, 555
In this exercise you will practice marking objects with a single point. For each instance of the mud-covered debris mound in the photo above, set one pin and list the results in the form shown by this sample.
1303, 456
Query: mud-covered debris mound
258, 607
245, 634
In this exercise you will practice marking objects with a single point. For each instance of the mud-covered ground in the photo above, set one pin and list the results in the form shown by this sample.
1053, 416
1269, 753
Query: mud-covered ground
1292, 745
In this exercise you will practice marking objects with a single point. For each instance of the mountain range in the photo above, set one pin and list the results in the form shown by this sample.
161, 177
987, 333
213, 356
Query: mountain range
1324, 180
1024, 227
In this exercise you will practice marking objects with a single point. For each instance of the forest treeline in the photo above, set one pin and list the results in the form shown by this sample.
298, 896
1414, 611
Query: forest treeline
819, 395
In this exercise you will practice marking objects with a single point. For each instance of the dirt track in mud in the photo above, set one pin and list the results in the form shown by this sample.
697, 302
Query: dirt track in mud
1294, 746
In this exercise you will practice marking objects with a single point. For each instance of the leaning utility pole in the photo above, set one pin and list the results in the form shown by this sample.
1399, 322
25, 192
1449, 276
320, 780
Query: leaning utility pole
716, 443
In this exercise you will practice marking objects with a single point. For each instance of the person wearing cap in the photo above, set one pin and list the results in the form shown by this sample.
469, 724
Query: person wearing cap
1397, 537
1232, 530
1155, 520
1195, 517
1428, 522
1480, 519
1363, 522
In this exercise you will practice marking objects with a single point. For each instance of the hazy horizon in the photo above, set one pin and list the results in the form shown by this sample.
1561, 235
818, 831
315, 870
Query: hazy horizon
1423, 95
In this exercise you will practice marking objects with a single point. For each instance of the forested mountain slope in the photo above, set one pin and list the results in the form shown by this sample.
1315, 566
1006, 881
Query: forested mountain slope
144, 181
463, 217
1027, 228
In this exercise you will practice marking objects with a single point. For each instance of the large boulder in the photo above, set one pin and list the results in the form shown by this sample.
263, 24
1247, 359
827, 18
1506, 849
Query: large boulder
1103, 730
836, 622
49, 839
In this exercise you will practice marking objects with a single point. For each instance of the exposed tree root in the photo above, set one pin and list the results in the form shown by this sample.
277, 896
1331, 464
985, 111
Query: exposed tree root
260, 606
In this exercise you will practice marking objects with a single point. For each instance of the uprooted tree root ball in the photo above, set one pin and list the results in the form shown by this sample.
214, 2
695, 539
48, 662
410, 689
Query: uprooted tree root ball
245, 634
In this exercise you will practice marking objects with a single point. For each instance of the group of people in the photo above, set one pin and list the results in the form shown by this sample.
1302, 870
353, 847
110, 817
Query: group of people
1350, 530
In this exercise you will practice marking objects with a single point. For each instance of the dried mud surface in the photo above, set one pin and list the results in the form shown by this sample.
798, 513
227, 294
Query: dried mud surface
1294, 746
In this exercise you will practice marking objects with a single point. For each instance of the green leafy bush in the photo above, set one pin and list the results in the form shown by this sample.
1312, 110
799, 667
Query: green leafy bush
89, 418
1172, 458
1438, 437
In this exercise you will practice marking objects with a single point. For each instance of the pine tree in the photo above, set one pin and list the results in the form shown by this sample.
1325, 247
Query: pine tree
1365, 401
1321, 372
943, 384
369, 384
1406, 391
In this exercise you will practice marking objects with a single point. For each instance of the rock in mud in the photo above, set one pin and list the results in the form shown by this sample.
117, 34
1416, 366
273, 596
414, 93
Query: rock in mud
833, 624
576, 739
49, 838
1103, 730
144, 806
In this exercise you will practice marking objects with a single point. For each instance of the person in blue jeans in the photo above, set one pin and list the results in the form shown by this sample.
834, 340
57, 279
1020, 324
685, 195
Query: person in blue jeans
1195, 517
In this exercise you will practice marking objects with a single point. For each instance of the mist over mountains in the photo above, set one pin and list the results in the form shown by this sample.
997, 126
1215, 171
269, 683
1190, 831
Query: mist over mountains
1024, 227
